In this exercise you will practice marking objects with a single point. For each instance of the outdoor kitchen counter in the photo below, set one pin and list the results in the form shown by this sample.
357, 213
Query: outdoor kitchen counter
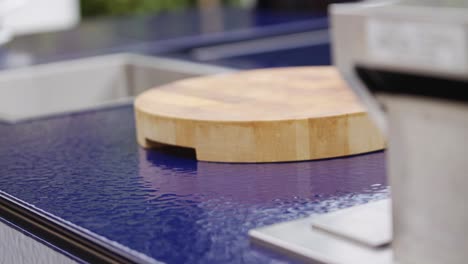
88, 169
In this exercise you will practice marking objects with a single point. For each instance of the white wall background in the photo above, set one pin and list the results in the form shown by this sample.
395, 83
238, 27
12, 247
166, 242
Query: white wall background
33, 16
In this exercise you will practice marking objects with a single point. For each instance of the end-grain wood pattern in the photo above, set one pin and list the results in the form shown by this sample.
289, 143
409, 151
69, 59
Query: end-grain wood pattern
269, 115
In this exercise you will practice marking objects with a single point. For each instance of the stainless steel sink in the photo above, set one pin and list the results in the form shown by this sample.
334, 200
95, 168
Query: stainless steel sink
85, 84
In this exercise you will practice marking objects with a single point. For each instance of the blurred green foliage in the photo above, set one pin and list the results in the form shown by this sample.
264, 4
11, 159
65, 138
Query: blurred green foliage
93, 8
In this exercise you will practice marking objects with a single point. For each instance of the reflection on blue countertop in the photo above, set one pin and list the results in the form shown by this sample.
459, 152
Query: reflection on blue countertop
87, 168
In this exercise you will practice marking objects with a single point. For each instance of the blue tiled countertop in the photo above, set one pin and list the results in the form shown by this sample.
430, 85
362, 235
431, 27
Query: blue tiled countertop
87, 168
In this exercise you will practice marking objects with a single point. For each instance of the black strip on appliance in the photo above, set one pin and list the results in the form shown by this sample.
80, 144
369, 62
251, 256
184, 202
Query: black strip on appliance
393, 82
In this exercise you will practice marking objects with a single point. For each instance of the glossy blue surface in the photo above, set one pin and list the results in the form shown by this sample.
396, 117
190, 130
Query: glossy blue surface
87, 168
305, 56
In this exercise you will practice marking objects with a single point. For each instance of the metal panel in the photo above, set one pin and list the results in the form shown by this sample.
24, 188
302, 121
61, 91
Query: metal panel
85, 84
369, 224
299, 239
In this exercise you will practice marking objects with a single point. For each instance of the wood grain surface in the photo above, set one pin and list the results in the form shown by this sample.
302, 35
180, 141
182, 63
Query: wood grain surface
269, 115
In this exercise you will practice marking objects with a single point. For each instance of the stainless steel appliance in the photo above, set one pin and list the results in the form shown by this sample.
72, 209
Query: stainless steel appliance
408, 61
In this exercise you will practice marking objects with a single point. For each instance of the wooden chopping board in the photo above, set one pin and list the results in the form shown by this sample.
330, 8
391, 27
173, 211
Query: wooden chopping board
268, 115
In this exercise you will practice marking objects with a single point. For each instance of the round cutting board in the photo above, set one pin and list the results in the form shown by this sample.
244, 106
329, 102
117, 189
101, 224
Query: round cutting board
269, 115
